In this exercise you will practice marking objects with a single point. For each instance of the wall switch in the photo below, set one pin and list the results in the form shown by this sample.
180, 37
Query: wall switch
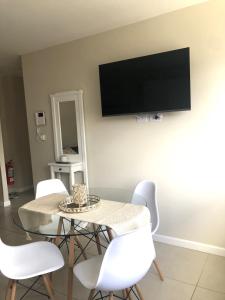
43, 137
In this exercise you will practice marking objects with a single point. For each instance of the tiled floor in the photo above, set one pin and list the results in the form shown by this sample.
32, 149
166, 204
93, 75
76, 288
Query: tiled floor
189, 275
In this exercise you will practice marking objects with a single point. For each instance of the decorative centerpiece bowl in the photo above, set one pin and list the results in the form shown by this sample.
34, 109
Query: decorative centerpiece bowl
80, 201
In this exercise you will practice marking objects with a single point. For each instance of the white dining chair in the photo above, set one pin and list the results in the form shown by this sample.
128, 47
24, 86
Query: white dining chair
52, 186
125, 262
47, 187
28, 261
145, 194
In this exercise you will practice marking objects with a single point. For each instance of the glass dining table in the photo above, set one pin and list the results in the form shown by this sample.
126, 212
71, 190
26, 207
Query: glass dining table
43, 217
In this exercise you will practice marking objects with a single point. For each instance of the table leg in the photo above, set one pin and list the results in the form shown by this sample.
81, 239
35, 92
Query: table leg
71, 260
57, 239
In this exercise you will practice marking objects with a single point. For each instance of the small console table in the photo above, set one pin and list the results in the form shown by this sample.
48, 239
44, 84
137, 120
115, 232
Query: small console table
57, 168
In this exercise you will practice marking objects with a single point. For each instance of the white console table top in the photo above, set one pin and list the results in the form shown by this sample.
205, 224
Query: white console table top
56, 168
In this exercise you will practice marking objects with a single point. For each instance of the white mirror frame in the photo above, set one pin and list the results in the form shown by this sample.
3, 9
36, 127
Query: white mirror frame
56, 99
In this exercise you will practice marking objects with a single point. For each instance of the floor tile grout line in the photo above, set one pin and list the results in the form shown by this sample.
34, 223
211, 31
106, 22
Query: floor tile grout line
203, 267
210, 290
177, 280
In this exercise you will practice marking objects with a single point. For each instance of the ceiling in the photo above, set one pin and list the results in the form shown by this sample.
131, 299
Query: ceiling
30, 25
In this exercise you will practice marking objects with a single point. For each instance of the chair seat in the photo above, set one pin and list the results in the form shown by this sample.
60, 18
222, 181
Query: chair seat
31, 260
88, 271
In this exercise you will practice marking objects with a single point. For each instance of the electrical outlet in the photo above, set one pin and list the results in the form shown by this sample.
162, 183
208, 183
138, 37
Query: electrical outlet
157, 117
143, 118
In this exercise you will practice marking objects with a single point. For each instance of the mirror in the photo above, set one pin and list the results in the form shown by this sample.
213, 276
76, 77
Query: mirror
68, 126
68, 123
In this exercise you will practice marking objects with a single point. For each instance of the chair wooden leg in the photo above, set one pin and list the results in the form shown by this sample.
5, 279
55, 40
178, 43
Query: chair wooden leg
111, 296
128, 294
13, 291
139, 292
97, 240
8, 290
158, 270
109, 232
80, 246
91, 294
124, 294
48, 286
50, 277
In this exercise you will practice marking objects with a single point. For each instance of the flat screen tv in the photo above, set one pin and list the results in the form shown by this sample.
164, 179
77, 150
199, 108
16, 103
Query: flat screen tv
153, 83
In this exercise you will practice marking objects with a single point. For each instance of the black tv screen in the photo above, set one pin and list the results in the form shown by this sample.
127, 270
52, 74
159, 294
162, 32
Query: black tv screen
153, 83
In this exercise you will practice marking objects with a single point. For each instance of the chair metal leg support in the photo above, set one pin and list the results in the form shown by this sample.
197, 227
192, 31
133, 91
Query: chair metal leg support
98, 293
30, 288
126, 294
80, 246
90, 239
97, 240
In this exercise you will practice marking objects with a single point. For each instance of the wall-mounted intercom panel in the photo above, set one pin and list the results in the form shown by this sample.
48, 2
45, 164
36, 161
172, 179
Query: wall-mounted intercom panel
40, 119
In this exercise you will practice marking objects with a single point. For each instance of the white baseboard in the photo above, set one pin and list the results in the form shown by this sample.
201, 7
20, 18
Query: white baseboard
5, 203
211, 249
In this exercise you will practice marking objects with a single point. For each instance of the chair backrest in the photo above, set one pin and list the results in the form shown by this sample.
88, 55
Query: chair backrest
50, 186
145, 194
6, 258
127, 260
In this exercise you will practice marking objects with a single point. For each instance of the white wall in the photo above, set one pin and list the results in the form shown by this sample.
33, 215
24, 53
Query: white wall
184, 153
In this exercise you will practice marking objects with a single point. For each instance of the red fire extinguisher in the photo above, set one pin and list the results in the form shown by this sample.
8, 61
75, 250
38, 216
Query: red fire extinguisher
10, 172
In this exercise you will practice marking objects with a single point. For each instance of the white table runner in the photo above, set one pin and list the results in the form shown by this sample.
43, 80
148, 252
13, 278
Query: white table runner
121, 217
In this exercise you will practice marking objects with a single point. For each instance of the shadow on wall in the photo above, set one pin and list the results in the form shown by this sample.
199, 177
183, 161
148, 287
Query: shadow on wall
14, 130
